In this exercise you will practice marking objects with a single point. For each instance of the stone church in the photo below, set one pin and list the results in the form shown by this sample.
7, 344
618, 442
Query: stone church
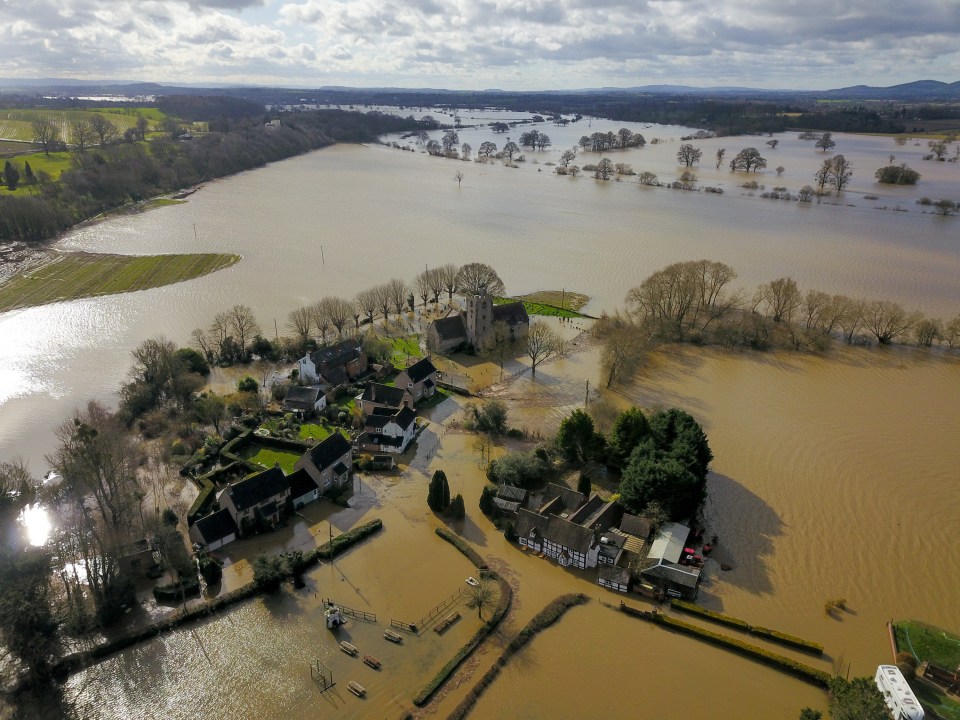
472, 326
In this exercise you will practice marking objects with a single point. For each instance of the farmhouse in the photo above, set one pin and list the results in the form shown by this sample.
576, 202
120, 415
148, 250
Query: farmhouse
328, 463
259, 498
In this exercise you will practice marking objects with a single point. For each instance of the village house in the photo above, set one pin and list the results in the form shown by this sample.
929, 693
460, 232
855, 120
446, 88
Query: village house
303, 489
388, 431
334, 365
328, 463
662, 567
377, 396
259, 498
214, 530
305, 400
473, 326
420, 379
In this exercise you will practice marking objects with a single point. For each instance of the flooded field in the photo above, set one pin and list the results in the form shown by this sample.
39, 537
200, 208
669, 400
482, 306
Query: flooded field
834, 475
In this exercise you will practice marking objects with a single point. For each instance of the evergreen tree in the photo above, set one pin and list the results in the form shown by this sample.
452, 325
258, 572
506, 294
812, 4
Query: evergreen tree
444, 491
577, 438
11, 176
629, 430
438, 493
486, 500
28, 177
457, 509
583, 484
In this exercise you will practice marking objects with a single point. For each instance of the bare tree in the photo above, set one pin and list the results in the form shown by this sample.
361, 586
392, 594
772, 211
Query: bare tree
852, 318
473, 278
823, 175
201, 341
543, 343
496, 342
720, 153
45, 133
382, 293
888, 321
447, 275
398, 291
624, 344
927, 330
103, 128
951, 332
220, 331
340, 311
688, 154
243, 324
421, 285
356, 312
299, 321
434, 277
367, 300
142, 125
782, 297
567, 157
842, 171
458, 176
604, 169
320, 315
81, 135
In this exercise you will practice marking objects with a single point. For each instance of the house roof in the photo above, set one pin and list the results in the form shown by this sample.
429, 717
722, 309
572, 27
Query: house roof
568, 534
325, 453
216, 526
635, 525
301, 483
571, 499
340, 469
383, 394
506, 505
528, 521
611, 544
302, 397
375, 438
404, 418
337, 354
587, 510
678, 574
614, 574
511, 313
512, 493
420, 370
258, 488
450, 328
669, 542
334, 375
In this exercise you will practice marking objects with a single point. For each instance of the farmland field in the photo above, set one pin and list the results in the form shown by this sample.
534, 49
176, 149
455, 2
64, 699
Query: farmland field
16, 124
71, 276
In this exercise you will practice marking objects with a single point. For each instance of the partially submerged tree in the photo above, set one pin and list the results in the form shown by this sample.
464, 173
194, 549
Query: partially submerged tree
542, 343
476, 278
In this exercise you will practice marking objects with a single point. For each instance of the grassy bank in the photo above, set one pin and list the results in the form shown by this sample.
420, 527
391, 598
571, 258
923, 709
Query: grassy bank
562, 306
927, 642
71, 276
540, 622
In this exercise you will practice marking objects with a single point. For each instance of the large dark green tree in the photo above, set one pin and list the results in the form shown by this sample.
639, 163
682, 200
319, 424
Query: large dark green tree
857, 699
577, 438
677, 434
438, 493
629, 430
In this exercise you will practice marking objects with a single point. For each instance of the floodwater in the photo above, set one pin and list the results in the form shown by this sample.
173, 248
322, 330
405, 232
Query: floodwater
834, 476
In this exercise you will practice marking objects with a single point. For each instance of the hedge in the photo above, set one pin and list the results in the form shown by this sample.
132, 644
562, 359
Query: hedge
175, 592
506, 597
203, 499
340, 543
771, 635
472, 555
779, 662
541, 621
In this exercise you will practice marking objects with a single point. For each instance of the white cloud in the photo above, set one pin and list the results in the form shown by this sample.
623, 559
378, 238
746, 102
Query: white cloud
526, 44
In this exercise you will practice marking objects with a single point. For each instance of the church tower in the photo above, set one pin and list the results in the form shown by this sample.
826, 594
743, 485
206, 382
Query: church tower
479, 317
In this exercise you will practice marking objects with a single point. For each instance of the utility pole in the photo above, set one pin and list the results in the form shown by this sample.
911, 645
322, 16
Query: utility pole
586, 396
322, 260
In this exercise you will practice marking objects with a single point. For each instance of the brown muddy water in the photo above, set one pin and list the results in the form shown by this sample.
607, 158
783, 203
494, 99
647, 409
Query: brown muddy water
834, 476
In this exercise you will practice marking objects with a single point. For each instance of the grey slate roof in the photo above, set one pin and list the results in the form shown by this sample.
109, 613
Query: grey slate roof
301, 483
216, 526
678, 574
511, 313
326, 452
506, 505
302, 398
512, 493
420, 370
258, 488
337, 354
450, 328
383, 394
571, 499
635, 525
528, 521
568, 534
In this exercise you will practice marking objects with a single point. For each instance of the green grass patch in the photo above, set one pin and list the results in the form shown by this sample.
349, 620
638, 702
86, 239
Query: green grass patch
542, 308
933, 698
439, 395
315, 431
927, 642
17, 124
268, 457
775, 636
70, 276
404, 347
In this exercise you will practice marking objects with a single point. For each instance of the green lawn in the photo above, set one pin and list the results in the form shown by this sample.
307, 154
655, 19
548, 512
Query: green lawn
70, 276
17, 124
320, 432
439, 396
404, 347
268, 457
928, 643
936, 700
541, 307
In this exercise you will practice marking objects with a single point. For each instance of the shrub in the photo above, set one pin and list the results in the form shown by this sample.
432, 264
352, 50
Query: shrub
247, 384
176, 592
457, 509
897, 175
268, 573
523, 469
210, 569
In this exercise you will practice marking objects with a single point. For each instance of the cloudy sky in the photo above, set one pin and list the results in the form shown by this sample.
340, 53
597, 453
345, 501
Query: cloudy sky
476, 44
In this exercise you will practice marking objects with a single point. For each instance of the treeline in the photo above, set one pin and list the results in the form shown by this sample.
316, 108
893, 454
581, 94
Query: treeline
105, 177
694, 302
856, 119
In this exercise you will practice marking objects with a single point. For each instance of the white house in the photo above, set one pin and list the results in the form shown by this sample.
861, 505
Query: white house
390, 433
303, 489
